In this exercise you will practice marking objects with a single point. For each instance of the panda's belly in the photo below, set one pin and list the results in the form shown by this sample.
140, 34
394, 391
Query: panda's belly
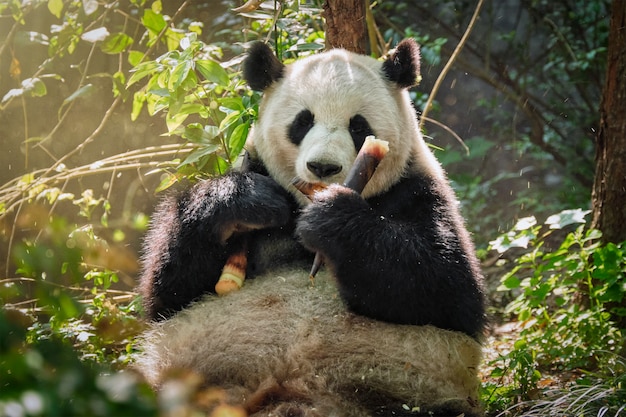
282, 331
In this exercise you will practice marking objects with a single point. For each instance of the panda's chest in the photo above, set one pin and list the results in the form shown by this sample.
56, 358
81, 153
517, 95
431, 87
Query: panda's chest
275, 248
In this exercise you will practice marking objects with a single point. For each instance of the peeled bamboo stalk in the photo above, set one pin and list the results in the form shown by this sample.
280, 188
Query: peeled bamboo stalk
234, 271
366, 162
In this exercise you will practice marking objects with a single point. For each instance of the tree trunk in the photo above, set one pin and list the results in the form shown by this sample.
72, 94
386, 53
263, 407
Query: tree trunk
609, 189
345, 25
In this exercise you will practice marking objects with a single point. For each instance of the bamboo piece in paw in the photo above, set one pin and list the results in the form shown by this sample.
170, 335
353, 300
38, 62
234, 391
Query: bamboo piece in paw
366, 162
233, 273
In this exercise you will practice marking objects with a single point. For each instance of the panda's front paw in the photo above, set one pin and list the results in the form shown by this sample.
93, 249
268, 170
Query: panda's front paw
235, 203
330, 219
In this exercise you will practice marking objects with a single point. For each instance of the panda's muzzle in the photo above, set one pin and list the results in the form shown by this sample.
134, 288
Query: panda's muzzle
323, 170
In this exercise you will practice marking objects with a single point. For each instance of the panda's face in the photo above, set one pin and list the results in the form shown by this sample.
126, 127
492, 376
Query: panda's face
315, 117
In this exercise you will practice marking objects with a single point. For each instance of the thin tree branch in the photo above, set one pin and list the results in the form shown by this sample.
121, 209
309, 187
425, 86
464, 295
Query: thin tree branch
448, 65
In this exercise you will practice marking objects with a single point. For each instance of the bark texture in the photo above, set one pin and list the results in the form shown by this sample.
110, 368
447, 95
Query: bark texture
345, 25
609, 190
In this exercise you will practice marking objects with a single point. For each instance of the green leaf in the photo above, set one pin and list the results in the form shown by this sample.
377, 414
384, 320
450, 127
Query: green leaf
233, 103
141, 71
173, 38
154, 22
194, 132
237, 140
135, 57
511, 282
84, 91
116, 43
212, 71
139, 98
231, 118
35, 87
119, 83
166, 182
200, 153
191, 109
312, 46
156, 6
55, 7
174, 120
179, 75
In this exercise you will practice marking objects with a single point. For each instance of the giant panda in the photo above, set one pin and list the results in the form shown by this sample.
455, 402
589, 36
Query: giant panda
393, 323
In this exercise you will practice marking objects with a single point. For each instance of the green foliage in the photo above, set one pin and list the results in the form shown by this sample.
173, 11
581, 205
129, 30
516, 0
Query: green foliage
596, 394
44, 377
189, 82
569, 297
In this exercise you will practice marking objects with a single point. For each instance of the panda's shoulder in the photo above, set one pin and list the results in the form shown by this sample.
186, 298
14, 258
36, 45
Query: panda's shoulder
417, 184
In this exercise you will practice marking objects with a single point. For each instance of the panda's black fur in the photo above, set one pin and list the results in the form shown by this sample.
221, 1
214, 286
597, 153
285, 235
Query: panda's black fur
399, 254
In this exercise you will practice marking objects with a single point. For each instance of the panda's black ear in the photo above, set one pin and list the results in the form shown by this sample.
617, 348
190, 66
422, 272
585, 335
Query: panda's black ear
403, 65
261, 67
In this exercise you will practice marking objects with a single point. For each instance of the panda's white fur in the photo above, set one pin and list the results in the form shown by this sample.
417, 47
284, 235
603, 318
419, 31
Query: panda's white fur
331, 86
280, 341
282, 347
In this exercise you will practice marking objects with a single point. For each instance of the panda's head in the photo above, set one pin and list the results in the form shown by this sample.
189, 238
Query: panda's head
317, 112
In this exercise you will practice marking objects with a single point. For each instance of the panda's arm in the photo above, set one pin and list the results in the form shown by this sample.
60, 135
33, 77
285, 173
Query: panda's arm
193, 234
403, 257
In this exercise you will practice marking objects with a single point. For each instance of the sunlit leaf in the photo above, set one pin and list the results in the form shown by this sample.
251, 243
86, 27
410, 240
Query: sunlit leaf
34, 139
212, 71
237, 140
525, 223
116, 43
11, 94
173, 38
195, 132
35, 87
135, 57
84, 91
156, 6
312, 46
233, 103
567, 217
174, 119
119, 84
154, 22
180, 73
55, 7
90, 6
95, 35
139, 98
200, 153
30, 37
32, 87
141, 71
231, 118
166, 182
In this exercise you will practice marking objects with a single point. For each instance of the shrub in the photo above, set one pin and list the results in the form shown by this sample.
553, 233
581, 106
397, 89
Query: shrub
568, 294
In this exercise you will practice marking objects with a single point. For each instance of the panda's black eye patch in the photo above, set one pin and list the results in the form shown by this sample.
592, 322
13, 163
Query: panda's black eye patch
301, 126
359, 130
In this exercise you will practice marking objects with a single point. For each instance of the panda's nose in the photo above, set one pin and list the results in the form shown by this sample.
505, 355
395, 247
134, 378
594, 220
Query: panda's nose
323, 170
